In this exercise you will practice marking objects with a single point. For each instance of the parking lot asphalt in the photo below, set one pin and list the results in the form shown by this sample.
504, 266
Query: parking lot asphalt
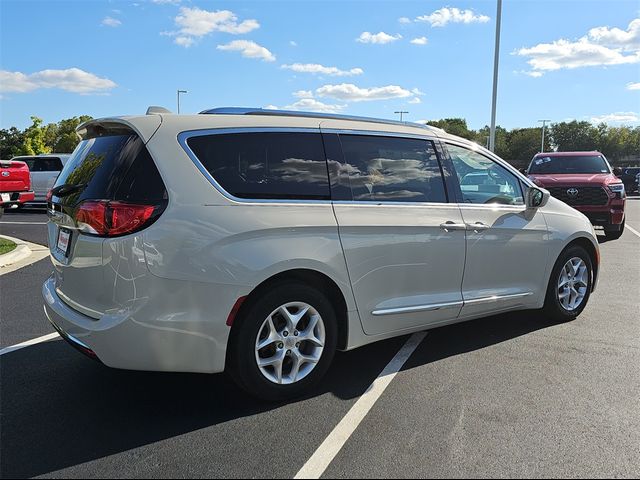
512, 395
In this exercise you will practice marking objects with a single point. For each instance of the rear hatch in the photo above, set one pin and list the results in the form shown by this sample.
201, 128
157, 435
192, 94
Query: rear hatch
109, 190
14, 176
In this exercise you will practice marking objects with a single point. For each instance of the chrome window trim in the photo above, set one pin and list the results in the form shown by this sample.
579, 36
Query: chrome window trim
440, 306
378, 133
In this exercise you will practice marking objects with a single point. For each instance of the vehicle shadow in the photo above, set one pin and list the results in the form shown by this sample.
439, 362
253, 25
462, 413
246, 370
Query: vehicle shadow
60, 409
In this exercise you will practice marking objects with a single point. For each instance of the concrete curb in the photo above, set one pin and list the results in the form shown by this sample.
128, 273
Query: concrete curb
24, 254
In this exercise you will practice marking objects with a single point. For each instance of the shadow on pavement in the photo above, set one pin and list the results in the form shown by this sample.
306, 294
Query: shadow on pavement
60, 409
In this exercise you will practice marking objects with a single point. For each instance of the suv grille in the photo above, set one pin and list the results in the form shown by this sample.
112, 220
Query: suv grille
585, 195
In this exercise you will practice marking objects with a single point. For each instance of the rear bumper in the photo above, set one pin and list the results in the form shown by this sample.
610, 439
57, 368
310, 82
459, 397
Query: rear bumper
127, 340
18, 198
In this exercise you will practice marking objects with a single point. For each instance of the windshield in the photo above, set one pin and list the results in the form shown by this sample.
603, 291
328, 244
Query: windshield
569, 165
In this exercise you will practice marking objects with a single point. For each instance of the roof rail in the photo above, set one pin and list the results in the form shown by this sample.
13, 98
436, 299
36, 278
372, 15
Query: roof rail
328, 116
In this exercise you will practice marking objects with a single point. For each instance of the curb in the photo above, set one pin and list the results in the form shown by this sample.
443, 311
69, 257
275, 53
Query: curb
24, 254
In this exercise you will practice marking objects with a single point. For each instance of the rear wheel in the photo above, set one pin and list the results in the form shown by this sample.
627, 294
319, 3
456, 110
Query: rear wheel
570, 285
284, 342
612, 234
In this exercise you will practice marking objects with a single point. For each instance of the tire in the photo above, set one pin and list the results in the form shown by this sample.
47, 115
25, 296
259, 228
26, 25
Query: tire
614, 234
553, 306
252, 325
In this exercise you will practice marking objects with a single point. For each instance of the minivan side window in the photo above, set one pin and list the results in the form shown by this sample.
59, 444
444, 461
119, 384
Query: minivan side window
482, 180
390, 169
265, 165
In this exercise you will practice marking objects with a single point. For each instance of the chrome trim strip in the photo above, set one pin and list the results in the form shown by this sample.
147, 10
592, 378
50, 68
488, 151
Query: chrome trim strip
440, 306
497, 298
427, 136
417, 308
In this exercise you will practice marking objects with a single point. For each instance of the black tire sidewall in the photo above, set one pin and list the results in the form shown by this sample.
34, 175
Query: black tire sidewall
552, 303
242, 363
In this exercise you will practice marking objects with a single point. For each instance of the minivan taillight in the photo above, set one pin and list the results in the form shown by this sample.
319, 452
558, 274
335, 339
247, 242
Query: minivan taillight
108, 218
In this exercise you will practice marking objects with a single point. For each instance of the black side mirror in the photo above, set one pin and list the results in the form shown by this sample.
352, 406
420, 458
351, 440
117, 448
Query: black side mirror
617, 171
537, 197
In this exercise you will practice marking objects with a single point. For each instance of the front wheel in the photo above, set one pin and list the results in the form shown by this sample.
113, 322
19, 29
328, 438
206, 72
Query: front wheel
570, 285
284, 343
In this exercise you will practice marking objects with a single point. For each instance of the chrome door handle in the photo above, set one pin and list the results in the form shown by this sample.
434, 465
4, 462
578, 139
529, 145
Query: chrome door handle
450, 226
477, 227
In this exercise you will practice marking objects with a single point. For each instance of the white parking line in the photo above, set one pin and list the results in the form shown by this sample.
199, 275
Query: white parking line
324, 455
23, 223
28, 343
633, 230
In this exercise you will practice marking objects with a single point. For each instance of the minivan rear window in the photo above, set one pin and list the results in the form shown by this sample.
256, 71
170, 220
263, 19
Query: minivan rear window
112, 167
265, 165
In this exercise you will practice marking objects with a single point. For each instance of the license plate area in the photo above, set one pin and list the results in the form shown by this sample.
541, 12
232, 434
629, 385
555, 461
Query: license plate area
64, 241
5, 197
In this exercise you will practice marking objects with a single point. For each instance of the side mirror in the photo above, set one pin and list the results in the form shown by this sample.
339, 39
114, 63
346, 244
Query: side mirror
537, 197
617, 171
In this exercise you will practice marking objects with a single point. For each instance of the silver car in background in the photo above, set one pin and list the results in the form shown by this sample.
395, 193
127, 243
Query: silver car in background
44, 170
259, 242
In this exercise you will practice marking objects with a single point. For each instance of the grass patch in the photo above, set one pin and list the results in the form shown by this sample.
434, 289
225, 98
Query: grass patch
6, 246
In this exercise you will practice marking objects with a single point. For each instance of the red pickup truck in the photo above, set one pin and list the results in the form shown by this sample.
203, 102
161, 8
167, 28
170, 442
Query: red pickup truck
15, 184
585, 181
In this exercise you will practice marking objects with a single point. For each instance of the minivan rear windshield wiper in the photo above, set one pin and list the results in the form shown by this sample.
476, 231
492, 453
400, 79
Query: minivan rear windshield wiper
67, 189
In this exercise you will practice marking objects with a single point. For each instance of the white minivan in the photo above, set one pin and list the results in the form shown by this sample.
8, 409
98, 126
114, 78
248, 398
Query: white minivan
259, 242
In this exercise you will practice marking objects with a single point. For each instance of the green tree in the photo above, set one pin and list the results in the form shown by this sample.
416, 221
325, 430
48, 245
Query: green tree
454, 126
481, 137
574, 136
34, 139
11, 142
67, 139
524, 143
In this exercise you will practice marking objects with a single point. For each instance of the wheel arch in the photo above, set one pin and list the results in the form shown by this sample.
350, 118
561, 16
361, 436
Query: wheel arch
593, 252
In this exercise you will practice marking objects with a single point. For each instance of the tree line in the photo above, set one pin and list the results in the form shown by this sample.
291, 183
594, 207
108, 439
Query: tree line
621, 145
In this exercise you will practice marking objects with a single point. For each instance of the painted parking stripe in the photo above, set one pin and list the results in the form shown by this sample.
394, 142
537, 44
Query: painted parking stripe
28, 343
324, 455
23, 223
633, 230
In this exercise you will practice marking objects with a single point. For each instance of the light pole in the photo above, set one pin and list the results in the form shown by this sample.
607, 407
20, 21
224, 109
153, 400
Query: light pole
401, 112
544, 124
179, 92
496, 59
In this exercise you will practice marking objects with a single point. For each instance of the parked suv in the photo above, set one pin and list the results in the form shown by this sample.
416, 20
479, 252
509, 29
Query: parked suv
585, 181
44, 171
15, 184
260, 242
628, 177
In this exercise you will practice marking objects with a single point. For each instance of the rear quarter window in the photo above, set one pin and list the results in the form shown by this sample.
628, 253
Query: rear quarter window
270, 165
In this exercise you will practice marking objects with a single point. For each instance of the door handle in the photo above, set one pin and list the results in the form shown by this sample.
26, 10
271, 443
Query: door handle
450, 226
477, 227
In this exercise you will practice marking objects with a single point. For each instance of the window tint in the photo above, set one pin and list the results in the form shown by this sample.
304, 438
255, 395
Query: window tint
484, 181
392, 169
52, 164
112, 167
570, 164
266, 165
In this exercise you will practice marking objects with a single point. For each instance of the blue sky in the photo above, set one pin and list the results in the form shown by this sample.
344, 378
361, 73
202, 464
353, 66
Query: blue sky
560, 60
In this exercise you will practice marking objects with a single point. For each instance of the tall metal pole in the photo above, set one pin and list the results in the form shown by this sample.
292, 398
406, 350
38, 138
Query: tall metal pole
401, 112
179, 92
544, 124
496, 59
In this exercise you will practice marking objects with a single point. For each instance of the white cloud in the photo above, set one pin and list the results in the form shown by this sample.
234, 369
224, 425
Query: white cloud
271, 107
417, 92
303, 94
415, 101
71, 80
444, 16
321, 69
633, 86
618, 117
420, 41
600, 47
249, 49
311, 104
165, 2
195, 23
293, 43
353, 93
380, 38
404, 20
111, 22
